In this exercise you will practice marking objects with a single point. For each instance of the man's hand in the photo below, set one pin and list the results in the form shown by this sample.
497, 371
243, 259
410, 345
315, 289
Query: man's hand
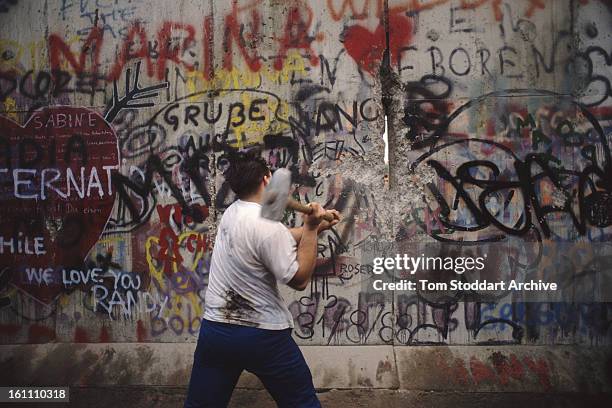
307, 244
312, 220
315, 220
325, 225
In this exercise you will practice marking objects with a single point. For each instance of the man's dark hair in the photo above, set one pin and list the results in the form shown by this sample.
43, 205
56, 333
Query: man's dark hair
245, 172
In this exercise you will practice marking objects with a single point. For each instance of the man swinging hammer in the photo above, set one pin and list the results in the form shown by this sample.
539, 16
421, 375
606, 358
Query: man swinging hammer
246, 324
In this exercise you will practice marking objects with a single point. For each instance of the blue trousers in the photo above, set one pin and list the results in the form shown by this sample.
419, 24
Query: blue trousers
224, 350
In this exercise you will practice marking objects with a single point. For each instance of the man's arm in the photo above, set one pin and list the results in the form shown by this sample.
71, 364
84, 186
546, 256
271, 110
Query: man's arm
296, 233
306, 258
307, 246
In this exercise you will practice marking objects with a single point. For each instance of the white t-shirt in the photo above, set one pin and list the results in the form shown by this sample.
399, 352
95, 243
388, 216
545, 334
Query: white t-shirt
250, 255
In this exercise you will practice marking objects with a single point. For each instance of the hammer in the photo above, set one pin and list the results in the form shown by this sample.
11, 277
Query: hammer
276, 198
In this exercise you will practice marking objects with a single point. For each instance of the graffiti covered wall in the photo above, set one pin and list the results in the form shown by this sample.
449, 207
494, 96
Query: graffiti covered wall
118, 118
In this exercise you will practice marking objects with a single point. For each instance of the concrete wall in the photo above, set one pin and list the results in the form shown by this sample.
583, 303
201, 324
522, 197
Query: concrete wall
118, 117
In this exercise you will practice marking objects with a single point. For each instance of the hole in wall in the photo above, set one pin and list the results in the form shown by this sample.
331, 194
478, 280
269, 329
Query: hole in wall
386, 139
386, 158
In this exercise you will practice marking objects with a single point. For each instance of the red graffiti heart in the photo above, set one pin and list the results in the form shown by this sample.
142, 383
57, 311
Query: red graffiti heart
367, 48
55, 195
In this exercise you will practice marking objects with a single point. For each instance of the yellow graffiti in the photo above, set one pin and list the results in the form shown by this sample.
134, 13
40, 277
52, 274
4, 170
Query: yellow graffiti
10, 108
237, 78
32, 55
12, 53
252, 132
157, 272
